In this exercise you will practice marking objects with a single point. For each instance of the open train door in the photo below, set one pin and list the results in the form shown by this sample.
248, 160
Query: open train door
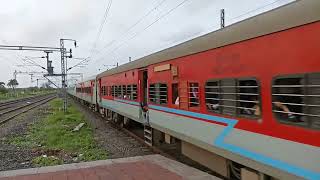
92, 92
98, 91
143, 96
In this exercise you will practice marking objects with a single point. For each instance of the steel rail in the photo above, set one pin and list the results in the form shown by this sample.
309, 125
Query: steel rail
32, 106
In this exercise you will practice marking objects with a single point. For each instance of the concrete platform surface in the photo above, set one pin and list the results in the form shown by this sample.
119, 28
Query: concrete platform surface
152, 167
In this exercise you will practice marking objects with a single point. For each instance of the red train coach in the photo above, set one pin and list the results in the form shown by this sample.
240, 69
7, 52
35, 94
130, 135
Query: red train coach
86, 90
248, 94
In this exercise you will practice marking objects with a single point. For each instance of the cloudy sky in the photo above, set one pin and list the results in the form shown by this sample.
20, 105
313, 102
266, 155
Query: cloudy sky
132, 28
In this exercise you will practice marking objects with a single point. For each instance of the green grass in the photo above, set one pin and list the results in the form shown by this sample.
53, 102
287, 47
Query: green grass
22, 94
55, 132
46, 161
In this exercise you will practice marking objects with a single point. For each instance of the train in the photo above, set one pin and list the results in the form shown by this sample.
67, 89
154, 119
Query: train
246, 95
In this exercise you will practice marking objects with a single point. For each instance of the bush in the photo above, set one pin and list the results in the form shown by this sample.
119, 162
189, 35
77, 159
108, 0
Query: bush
3, 90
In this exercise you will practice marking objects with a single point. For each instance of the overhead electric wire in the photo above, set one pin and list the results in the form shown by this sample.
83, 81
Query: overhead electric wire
79, 63
236, 17
254, 10
33, 62
132, 26
103, 22
138, 33
147, 27
264, 6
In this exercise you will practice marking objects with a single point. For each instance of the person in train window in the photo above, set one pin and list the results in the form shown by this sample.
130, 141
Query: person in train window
255, 110
175, 94
194, 93
253, 107
213, 106
289, 104
177, 101
287, 113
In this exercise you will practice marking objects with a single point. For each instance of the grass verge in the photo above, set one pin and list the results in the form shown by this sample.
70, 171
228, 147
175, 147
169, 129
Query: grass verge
56, 141
22, 94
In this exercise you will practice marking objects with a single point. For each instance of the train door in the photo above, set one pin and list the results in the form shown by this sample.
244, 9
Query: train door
98, 91
143, 94
92, 94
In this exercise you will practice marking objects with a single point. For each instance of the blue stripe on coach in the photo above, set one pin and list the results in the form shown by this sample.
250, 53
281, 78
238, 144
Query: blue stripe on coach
219, 141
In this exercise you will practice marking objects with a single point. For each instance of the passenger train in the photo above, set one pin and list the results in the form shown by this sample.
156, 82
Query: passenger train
247, 94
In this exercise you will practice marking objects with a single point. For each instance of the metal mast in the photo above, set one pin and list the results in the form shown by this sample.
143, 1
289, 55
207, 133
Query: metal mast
63, 76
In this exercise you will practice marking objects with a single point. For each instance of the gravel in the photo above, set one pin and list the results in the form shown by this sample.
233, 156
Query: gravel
117, 143
13, 157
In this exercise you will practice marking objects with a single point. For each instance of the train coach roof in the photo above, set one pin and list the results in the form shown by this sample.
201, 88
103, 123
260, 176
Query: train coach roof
291, 15
90, 78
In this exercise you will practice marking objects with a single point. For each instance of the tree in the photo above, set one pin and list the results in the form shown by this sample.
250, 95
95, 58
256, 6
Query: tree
3, 88
13, 83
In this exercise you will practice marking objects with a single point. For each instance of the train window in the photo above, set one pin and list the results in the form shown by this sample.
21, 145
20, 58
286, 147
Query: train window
124, 92
87, 90
163, 93
234, 97
113, 91
213, 96
175, 94
102, 91
248, 103
129, 90
119, 95
194, 94
296, 99
158, 93
228, 96
134, 95
152, 93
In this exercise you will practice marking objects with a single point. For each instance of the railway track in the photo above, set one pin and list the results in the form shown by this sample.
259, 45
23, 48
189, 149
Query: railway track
6, 103
12, 109
171, 153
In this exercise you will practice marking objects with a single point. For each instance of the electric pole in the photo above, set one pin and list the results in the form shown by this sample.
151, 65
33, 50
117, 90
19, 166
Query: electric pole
49, 50
63, 76
222, 18
64, 70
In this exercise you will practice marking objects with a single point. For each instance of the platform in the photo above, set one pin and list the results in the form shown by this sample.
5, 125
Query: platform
151, 167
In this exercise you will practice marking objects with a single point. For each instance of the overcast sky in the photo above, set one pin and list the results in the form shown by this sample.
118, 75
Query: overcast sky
44, 22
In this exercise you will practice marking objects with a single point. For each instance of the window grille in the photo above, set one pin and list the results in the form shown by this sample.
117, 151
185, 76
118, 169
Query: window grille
296, 99
129, 91
152, 93
124, 91
113, 91
134, 95
158, 93
234, 97
118, 91
194, 95
102, 90
213, 96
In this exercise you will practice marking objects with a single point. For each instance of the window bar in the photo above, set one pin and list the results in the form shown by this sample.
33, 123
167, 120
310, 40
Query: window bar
296, 113
306, 99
